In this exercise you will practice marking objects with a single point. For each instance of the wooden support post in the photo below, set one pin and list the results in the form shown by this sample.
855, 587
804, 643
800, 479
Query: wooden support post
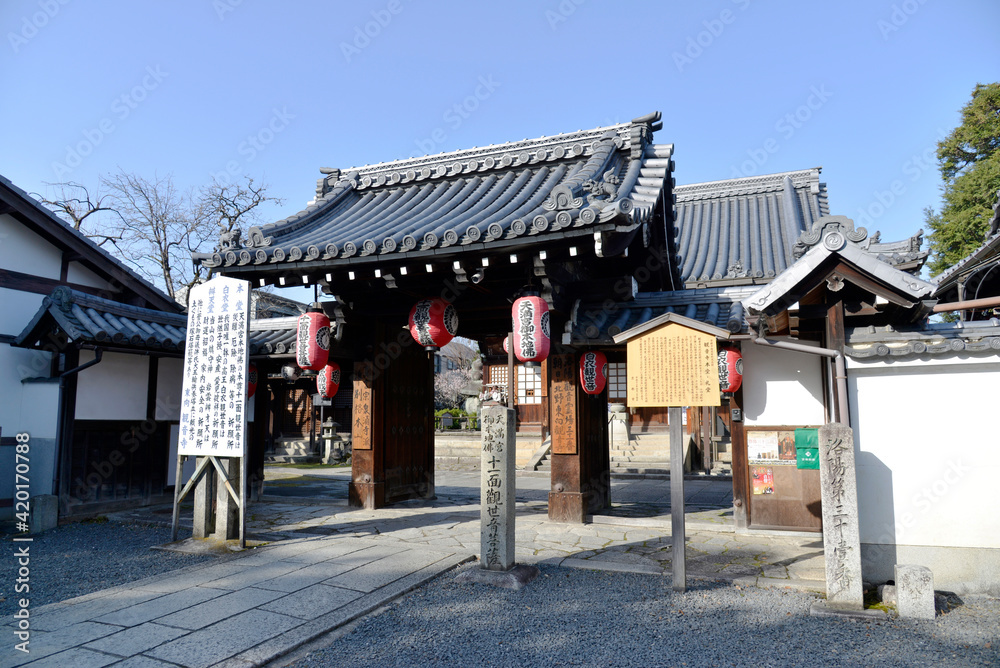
393, 441
740, 463
227, 511
677, 532
581, 476
202, 503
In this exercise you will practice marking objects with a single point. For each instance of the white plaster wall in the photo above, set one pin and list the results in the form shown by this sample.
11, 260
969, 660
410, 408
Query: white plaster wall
17, 308
928, 453
77, 273
781, 387
19, 401
169, 381
24, 251
114, 389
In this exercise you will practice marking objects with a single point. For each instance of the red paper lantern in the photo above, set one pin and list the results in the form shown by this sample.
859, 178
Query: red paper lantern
506, 344
530, 315
730, 369
593, 371
312, 344
433, 323
328, 380
251, 380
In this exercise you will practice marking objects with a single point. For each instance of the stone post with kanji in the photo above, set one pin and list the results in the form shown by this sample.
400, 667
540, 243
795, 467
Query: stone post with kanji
498, 486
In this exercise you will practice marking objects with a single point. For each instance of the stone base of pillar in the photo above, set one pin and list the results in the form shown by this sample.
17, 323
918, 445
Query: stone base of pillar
368, 495
825, 609
514, 578
568, 506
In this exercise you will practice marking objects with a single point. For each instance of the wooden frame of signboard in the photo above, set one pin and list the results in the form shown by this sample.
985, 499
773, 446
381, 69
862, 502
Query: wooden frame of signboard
673, 362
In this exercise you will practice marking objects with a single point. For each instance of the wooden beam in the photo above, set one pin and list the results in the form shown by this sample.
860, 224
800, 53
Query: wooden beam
15, 280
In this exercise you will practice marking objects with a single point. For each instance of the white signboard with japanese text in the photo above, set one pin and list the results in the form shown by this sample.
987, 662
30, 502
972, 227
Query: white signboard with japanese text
213, 403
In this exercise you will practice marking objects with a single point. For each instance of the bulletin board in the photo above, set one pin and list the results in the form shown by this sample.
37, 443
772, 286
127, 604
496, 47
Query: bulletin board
781, 495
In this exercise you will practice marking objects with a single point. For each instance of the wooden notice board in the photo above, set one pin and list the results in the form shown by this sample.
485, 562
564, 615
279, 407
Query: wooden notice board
781, 495
673, 365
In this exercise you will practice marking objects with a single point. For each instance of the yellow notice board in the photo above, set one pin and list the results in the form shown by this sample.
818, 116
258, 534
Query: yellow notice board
673, 365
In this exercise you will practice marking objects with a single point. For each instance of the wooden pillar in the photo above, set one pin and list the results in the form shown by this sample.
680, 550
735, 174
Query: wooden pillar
367, 489
835, 339
393, 422
740, 463
581, 471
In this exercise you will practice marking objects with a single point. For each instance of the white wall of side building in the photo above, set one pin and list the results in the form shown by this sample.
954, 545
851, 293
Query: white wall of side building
928, 464
781, 387
24, 251
114, 389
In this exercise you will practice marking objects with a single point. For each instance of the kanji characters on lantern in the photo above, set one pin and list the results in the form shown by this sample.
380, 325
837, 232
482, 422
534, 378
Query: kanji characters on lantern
328, 380
433, 323
251, 380
312, 343
530, 315
730, 369
593, 371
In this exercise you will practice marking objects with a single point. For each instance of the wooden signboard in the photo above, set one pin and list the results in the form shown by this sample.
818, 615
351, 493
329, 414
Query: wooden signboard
673, 365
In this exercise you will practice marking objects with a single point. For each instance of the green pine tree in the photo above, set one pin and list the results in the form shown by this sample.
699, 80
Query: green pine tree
969, 160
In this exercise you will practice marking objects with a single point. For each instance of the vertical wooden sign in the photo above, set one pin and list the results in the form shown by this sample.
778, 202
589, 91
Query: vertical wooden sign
562, 398
363, 409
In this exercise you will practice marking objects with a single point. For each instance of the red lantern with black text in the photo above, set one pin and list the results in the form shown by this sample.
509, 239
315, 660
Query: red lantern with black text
593, 371
506, 344
312, 341
530, 315
251, 380
730, 370
328, 380
433, 323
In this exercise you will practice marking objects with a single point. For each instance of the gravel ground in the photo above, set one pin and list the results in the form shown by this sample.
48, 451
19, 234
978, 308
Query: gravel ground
572, 617
77, 559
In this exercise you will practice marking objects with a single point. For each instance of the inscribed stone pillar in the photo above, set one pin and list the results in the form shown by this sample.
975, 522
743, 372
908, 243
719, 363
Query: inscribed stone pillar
914, 592
498, 487
841, 537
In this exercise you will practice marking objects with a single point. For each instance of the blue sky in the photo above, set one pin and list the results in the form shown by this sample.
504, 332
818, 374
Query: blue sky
191, 88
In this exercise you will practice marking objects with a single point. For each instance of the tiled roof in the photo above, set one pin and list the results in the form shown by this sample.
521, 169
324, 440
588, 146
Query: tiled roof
829, 237
745, 228
938, 339
594, 324
749, 230
88, 319
517, 194
92, 320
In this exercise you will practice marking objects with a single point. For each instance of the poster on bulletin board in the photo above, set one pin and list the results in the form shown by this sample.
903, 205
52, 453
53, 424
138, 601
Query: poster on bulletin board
762, 478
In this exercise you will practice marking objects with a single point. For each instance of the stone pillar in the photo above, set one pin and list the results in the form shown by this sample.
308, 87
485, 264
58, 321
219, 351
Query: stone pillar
43, 513
841, 537
227, 511
498, 508
619, 426
498, 487
914, 592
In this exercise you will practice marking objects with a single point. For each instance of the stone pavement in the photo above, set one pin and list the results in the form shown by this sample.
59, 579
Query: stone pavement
327, 564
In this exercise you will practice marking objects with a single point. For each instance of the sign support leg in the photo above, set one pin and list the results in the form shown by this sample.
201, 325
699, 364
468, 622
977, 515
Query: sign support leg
677, 533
